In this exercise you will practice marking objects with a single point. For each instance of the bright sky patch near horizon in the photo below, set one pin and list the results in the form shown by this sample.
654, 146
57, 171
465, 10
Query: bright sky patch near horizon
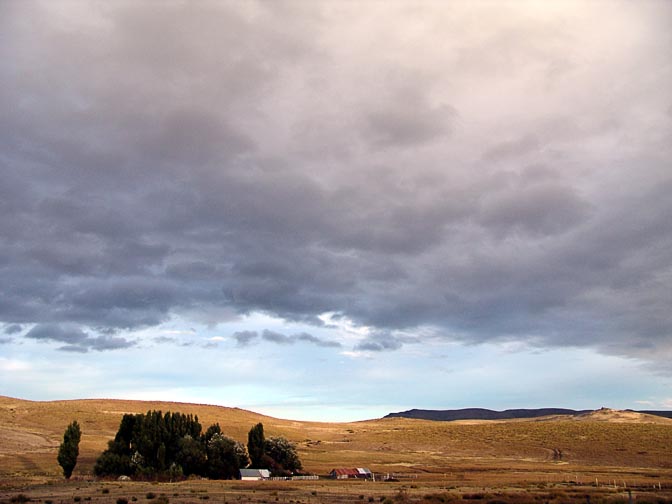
333, 210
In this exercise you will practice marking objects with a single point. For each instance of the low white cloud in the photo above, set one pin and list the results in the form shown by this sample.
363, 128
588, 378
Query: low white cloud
356, 354
12, 365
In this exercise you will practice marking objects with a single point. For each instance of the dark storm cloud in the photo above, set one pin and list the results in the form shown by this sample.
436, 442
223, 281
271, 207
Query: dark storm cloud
74, 349
166, 339
244, 338
197, 159
379, 343
70, 335
541, 208
276, 337
408, 119
316, 341
13, 329
513, 148
76, 339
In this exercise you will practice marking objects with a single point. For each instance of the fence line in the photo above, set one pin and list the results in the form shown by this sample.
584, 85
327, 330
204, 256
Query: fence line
290, 478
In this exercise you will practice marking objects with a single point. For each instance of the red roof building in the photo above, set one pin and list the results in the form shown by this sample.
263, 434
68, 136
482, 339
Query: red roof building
347, 473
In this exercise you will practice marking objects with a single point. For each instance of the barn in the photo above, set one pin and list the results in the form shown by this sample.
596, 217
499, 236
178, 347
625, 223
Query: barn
254, 474
351, 473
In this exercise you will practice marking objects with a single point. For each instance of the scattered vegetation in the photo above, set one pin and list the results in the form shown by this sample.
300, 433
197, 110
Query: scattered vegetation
500, 462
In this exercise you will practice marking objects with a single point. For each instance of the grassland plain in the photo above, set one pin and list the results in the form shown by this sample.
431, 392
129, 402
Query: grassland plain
553, 460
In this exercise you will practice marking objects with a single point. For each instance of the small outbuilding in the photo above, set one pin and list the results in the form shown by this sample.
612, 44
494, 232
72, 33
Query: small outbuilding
254, 474
351, 473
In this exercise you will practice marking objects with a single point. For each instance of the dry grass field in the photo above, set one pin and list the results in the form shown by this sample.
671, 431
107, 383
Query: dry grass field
604, 455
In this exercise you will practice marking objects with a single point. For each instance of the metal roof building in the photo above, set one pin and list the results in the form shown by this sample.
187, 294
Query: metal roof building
254, 474
356, 472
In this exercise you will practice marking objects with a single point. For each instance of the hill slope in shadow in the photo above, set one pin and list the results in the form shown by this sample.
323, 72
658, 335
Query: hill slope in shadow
509, 414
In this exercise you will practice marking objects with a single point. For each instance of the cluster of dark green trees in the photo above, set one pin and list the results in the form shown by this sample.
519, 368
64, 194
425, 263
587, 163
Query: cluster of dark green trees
172, 445
276, 454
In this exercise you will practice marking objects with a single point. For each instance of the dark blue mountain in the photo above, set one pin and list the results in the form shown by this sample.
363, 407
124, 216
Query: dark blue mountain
486, 414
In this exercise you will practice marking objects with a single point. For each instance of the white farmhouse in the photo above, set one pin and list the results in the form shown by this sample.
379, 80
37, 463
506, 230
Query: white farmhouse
254, 474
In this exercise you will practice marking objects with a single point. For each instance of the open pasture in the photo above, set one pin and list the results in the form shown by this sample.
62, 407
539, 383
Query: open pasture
556, 460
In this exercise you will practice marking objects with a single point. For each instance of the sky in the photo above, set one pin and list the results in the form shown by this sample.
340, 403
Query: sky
333, 210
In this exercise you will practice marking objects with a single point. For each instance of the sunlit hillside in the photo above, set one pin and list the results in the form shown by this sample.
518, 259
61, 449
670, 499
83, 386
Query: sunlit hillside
555, 448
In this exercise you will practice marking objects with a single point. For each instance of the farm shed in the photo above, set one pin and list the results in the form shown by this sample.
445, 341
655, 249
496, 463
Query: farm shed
347, 473
254, 474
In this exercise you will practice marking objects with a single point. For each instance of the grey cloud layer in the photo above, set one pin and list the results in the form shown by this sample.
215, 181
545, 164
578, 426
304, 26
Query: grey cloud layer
245, 338
478, 179
77, 340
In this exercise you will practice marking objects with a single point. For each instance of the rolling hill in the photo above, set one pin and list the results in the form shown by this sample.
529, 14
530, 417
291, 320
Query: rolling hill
30, 433
509, 414
481, 414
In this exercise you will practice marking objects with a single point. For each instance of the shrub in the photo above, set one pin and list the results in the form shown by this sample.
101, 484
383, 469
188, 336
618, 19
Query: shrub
105, 490
402, 496
122, 500
150, 495
20, 498
284, 459
111, 463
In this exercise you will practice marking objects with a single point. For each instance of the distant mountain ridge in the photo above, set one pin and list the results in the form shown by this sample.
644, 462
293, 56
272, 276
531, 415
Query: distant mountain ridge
509, 414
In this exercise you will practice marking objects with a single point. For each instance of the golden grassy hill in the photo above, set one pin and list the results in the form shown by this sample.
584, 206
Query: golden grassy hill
618, 416
30, 433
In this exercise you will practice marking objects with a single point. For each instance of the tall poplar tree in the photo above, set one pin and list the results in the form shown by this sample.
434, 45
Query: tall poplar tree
255, 446
69, 449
